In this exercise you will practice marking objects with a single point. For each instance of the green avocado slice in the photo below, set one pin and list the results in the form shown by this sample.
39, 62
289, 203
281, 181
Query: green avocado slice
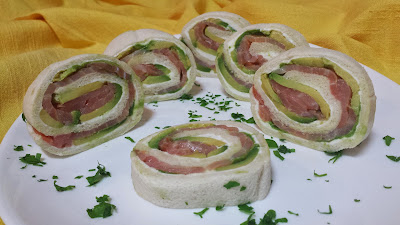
251, 155
227, 75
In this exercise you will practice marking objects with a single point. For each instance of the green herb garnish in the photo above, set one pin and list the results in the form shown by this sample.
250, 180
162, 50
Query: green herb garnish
357, 200
60, 189
18, 148
271, 143
242, 188
388, 140
186, 97
100, 174
23, 117
336, 155
293, 213
319, 175
103, 209
269, 218
41, 180
277, 154
201, 212
78, 177
393, 158
130, 139
32, 159
387, 187
231, 184
283, 149
219, 207
246, 208
55, 177
330, 211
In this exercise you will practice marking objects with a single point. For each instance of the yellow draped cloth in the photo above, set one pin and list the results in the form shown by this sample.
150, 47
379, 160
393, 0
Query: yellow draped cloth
36, 33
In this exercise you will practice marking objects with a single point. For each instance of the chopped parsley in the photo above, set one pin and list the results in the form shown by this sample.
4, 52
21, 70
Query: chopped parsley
23, 117
166, 127
18, 148
238, 117
277, 154
32, 159
319, 175
242, 188
269, 218
283, 149
100, 174
186, 97
219, 207
91, 170
246, 208
33, 176
55, 177
103, 209
41, 180
330, 211
357, 200
249, 221
293, 213
271, 143
130, 139
201, 213
393, 158
78, 177
388, 140
231, 184
387, 187
336, 155
192, 115
61, 189
282, 140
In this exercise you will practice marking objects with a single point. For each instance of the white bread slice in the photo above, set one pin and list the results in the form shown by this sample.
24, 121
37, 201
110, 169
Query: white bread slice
126, 40
366, 98
267, 50
32, 104
233, 20
206, 189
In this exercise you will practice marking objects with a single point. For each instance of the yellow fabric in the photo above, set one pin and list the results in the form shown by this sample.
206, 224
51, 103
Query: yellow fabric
36, 33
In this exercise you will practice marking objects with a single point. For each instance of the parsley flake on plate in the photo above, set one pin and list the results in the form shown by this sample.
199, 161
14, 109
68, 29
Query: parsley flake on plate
245, 208
277, 154
393, 158
201, 213
100, 174
41, 180
231, 184
103, 209
32, 159
23, 117
61, 189
336, 155
18, 148
388, 140
283, 149
55, 177
293, 213
387, 187
78, 177
271, 143
242, 188
330, 211
186, 97
357, 200
219, 207
130, 139
320, 175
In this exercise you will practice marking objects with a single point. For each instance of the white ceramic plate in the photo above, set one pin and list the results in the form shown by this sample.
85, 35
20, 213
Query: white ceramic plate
360, 174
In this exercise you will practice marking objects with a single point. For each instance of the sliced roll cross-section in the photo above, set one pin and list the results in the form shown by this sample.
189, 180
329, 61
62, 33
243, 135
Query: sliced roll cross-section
164, 64
79, 103
205, 33
247, 50
194, 165
316, 97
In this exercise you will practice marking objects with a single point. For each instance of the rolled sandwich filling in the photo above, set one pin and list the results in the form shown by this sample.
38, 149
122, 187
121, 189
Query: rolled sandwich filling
204, 34
246, 51
195, 160
66, 103
81, 102
319, 98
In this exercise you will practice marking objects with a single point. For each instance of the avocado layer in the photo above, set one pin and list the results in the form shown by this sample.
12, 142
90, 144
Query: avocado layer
250, 156
76, 92
226, 74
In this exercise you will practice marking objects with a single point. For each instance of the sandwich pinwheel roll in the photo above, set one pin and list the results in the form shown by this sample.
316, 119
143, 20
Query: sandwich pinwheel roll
247, 50
205, 33
315, 97
164, 64
202, 164
81, 102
